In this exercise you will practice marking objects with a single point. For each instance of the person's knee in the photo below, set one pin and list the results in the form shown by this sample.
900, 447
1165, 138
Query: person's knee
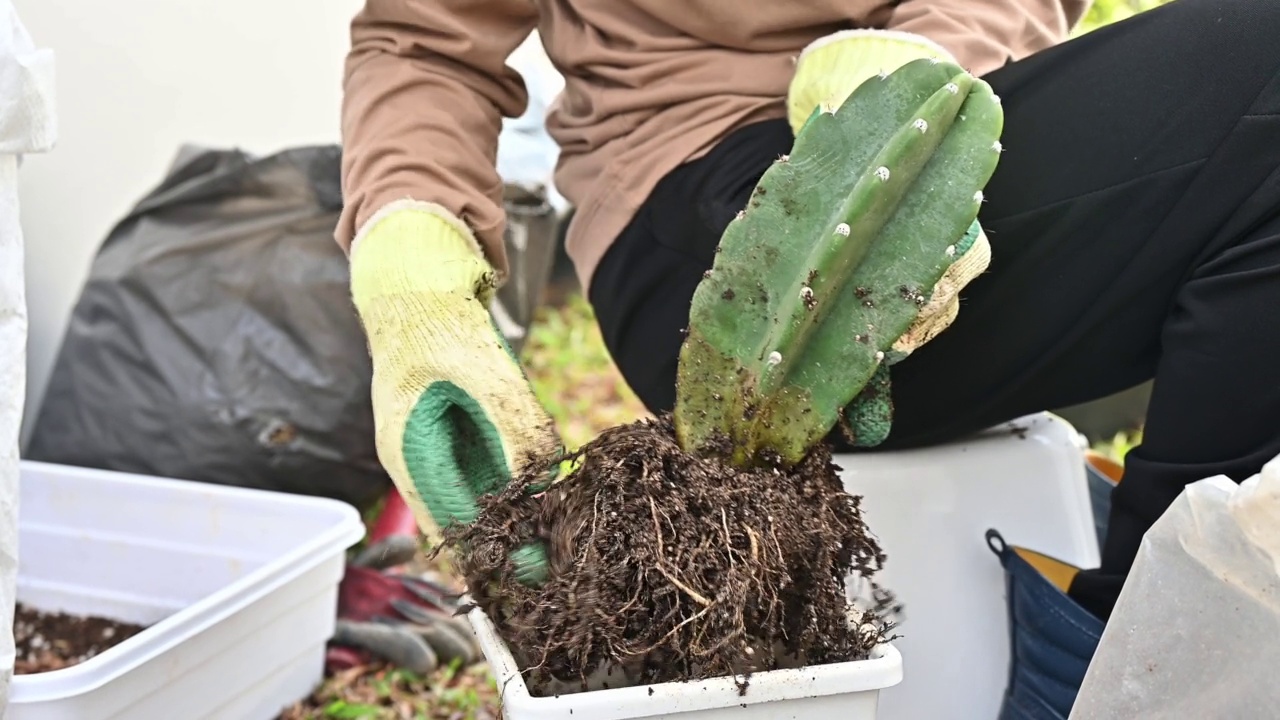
1261, 15
1239, 23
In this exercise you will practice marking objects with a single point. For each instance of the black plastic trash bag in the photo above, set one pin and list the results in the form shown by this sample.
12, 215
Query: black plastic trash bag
215, 339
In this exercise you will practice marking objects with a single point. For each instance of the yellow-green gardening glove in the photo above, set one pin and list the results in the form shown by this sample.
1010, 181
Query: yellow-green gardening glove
827, 72
454, 414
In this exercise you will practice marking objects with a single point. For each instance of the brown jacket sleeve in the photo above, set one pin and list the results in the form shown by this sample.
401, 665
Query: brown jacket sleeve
426, 86
985, 34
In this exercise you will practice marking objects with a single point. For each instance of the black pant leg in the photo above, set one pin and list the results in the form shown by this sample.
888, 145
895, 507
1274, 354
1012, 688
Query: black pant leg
1131, 221
1128, 152
643, 287
1133, 226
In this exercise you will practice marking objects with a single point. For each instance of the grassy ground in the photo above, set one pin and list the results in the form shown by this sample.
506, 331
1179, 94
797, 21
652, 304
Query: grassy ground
573, 376
576, 381
379, 692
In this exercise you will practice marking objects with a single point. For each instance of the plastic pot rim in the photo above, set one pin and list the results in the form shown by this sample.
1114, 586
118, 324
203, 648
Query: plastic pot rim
882, 670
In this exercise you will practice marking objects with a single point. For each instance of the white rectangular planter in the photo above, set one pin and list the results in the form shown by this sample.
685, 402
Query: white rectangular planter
841, 691
238, 586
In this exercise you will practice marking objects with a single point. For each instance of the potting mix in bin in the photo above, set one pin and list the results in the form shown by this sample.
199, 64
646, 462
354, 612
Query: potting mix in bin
717, 540
52, 640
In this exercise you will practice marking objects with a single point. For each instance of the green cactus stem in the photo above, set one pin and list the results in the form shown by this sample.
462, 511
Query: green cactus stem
840, 245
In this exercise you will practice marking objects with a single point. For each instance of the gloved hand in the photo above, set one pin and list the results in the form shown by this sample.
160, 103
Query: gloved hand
827, 72
407, 621
454, 414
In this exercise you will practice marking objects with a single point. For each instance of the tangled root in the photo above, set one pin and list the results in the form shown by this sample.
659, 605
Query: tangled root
674, 567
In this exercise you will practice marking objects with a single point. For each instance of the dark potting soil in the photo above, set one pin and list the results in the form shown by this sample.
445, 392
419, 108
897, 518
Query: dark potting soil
51, 641
675, 567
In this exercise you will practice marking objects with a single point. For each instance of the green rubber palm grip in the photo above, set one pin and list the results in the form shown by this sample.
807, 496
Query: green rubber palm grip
454, 455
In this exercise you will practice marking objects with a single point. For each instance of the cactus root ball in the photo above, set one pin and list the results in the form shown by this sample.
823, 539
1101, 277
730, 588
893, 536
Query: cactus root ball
669, 567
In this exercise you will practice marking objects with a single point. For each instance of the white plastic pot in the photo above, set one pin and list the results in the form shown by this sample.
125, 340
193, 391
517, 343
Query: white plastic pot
840, 691
238, 587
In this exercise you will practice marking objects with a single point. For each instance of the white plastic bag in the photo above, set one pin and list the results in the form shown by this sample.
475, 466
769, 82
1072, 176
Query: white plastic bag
1196, 631
27, 125
527, 154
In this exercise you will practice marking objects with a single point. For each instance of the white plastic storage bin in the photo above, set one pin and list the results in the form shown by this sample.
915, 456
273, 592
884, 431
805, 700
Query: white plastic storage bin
840, 691
930, 509
239, 588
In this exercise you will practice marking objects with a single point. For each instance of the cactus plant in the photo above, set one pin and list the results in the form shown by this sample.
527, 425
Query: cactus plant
840, 245
700, 566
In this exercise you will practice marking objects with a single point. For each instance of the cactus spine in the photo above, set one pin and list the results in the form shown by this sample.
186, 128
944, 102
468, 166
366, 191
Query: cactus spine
841, 244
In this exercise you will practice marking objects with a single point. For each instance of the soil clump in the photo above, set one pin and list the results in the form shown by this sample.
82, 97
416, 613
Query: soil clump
674, 567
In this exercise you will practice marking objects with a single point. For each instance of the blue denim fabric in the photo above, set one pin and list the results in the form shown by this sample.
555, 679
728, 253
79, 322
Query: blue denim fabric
1052, 640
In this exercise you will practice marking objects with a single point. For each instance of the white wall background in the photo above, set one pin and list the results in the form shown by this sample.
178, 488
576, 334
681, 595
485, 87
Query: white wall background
135, 80
139, 78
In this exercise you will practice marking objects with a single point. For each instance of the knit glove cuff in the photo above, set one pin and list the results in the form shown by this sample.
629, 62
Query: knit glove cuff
454, 414
830, 68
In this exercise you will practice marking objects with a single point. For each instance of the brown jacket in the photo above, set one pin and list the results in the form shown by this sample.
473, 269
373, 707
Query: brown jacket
649, 84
